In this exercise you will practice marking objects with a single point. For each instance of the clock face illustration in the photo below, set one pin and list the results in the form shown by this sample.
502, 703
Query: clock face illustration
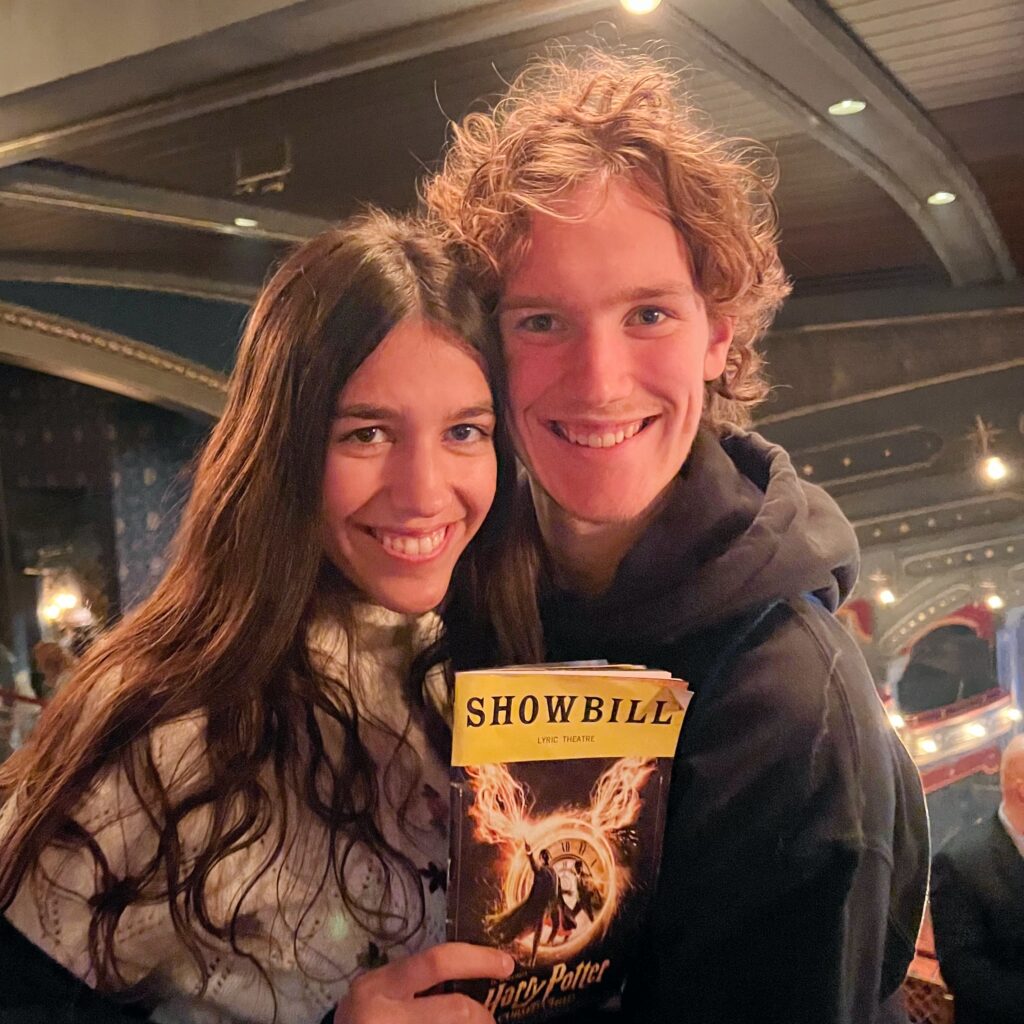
586, 883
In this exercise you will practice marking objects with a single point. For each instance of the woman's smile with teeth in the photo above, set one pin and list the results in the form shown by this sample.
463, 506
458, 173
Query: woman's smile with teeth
410, 545
607, 437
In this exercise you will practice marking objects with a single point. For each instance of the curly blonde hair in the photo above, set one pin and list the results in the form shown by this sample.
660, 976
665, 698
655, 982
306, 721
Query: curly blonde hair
573, 119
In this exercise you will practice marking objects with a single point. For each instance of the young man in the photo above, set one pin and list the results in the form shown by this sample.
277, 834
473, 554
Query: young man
633, 263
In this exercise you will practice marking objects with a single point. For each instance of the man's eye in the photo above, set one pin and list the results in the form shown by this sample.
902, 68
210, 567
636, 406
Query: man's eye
465, 432
647, 316
539, 323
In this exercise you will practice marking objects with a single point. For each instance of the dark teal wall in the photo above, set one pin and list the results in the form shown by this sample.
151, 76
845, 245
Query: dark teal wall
205, 331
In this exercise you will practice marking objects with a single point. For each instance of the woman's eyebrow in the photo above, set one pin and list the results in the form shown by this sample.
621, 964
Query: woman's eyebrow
365, 412
380, 412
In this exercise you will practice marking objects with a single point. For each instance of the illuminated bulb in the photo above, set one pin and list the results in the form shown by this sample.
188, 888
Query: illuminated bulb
845, 107
993, 468
977, 729
246, 222
886, 596
928, 746
65, 599
639, 6
898, 721
51, 612
1014, 714
941, 198
995, 602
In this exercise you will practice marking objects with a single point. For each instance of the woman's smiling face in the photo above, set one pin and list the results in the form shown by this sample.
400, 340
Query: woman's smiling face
410, 471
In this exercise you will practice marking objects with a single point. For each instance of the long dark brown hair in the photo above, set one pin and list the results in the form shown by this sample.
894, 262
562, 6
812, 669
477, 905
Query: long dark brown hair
224, 636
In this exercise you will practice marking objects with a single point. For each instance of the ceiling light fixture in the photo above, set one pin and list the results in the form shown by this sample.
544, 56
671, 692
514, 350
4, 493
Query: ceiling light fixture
994, 468
941, 198
246, 222
995, 602
886, 596
845, 107
639, 6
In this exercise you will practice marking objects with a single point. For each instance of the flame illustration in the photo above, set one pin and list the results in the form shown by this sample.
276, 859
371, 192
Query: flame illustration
501, 812
615, 799
500, 807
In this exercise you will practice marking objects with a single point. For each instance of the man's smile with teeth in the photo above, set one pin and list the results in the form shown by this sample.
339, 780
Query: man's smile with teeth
410, 545
603, 437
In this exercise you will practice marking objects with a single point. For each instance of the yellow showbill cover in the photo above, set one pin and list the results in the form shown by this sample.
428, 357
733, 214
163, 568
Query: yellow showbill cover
555, 715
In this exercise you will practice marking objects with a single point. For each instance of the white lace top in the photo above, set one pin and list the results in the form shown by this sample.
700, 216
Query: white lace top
306, 941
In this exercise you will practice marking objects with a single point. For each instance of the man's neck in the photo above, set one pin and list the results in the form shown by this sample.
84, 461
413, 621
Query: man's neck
586, 555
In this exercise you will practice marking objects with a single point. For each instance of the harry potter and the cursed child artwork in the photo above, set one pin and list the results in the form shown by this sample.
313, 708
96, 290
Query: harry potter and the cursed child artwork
554, 858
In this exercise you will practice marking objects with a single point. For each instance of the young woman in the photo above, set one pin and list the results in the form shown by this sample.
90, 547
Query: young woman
235, 806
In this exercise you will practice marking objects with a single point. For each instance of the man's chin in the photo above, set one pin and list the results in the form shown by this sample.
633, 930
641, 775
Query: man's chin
602, 510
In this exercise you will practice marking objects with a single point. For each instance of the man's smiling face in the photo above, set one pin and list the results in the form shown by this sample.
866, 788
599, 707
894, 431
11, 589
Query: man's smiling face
608, 346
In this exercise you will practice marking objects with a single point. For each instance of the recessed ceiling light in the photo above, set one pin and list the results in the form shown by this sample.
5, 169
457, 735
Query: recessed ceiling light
995, 602
844, 107
886, 596
941, 198
246, 222
994, 468
639, 6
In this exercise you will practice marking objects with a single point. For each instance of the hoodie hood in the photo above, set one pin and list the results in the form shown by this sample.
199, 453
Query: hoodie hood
739, 529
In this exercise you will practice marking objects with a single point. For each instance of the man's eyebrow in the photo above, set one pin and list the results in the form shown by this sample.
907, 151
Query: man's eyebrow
472, 411
655, 291
638, 293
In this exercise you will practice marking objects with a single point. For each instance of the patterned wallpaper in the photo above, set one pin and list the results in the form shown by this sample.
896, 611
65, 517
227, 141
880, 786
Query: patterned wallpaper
151, 453
129, 458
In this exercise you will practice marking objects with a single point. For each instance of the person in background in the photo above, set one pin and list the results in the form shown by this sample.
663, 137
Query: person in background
977, 903
54, 663
630, 258
230, 812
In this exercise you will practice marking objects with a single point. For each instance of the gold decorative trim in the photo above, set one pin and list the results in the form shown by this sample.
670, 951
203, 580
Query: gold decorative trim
905, 631
116, 344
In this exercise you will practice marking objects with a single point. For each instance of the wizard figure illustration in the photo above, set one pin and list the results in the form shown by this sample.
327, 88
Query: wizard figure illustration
540, 903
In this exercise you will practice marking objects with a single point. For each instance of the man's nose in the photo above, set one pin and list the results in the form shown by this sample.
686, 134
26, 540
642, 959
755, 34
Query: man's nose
420, 484
602, 369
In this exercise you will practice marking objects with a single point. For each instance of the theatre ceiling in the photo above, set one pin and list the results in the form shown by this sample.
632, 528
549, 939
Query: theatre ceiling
184, 159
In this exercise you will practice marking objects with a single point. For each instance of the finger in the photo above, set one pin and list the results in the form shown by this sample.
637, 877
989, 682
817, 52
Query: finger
452, 1009
450, 961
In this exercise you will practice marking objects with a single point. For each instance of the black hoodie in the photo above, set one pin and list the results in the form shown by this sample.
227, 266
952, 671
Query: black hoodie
795, 862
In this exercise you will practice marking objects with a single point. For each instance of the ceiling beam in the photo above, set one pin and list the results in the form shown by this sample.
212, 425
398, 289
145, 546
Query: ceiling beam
47, 271
834, 366
312, 61
64, 188
797, 56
